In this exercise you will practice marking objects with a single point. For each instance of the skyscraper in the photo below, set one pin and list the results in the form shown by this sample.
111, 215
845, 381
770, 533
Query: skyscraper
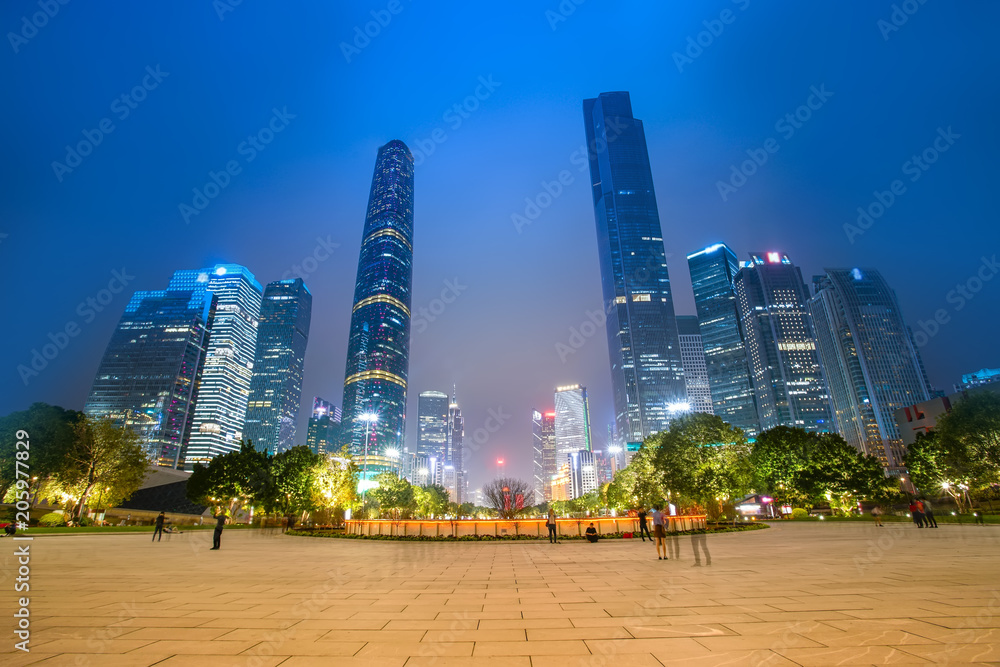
543, 447
276, 385
712, 272
454, 455
324, 427
379, 343
432, 423
582, 472
150, 369
871, 365
646, 370
699, 395
225, 382
781, 350
572, 421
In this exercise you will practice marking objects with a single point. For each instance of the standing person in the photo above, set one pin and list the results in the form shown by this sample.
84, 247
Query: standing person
643, 526
917, 513
550, 523
220, 521
159, 527
658, 533
928, 513
877, 515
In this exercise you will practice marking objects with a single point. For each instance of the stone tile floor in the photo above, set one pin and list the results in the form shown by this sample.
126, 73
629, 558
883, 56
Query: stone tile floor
807, 594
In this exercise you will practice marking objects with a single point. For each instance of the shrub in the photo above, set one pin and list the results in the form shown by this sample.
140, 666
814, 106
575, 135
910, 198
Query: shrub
86, 521
800, 513
52, 519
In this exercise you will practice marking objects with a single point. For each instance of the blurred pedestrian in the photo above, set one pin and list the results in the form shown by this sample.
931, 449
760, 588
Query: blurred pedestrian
929, 519
220, 521
877, 515
158, 530
643, 526
550, 523
916, 512
659, 534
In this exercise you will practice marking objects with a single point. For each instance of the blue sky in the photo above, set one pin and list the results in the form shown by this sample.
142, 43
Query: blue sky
219, 80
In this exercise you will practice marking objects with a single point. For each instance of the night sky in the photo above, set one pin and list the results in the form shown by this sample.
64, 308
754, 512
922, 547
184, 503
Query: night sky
887, 91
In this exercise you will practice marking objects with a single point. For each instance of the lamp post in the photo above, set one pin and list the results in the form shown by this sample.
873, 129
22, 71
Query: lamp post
368, 418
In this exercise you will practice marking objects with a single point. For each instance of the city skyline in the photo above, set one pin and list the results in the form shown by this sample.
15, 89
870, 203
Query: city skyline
295, 209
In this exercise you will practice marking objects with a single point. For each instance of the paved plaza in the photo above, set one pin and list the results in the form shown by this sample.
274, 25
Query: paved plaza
797, 593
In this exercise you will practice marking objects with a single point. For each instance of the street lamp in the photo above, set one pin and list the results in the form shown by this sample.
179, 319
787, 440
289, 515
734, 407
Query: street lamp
368, 418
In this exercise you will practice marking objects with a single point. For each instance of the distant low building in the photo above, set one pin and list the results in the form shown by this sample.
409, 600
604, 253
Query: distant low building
979, 378
923, 417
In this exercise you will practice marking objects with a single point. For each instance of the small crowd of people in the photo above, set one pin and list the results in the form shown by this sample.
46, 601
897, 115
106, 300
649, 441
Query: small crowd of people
922, 513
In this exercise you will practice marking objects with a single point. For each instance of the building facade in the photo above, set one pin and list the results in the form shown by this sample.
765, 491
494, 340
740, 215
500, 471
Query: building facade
582, 473
454, 460
572, 421
646, 370
871, 365
379, 343
151, 368
699, 393
279, 365
713, 270
224, 390
323, 436
543, 448
432, 423
781, 348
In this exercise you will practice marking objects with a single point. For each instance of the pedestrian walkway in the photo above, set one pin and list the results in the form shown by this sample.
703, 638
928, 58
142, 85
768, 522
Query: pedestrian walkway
798, 593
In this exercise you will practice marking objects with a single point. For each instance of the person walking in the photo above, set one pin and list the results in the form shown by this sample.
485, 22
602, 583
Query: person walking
643, 526
550, 523
659, 534
929, 519
159, 527
917, 513
220, 521
877, 515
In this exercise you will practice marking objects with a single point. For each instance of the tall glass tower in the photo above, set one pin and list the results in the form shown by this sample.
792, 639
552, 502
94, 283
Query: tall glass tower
379, 343
646, 370
543, 446
150, 370
276, 386
871, 365
324, 427
572, 422
695, 371
781, 349
225, 382
432, 423
712, 272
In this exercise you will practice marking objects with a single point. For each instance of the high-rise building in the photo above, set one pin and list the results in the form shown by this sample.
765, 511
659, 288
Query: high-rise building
432, 423
646, 370
712, 272
323, 436
379, 344
572, 421
781, 348
150, 370
454, 454
582, 473
699, 395
543, 446
279, 361
224, 389
870, 362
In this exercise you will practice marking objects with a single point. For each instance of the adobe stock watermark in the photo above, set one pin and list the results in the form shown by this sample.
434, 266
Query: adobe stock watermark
562, 12
223, 7
363, 36
901, 13
30, 26
454, 115
249, 149
959, 297
697, 44
122, 107
787, 125
915, 167
87, 310
310, 263
433, 310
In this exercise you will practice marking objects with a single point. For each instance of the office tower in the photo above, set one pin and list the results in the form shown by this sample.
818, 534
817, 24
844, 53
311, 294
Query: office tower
415, 468
712, 272
646, 370
583, 473
699, 395
572, 422
432, 423
781, 350
222, 394
150, 369
543, 447
323, 436
379, 343
560, 487
871, 365
276, 385
454, 456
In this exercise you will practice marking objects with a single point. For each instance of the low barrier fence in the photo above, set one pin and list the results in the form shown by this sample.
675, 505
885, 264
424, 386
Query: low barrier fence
500, 528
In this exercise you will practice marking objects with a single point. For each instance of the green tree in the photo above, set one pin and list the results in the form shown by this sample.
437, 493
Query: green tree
293, 481
431, 500
336, 482
233, 480
972, 429
637, 484
840, 474
776, 457
394, 495
50, 439
934, 465
103, 456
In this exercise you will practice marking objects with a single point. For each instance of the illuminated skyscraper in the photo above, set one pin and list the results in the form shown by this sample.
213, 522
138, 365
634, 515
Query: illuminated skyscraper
781, 349
379, 343
225, 382
646, 370
276, 386
712, 272
432, 423
699, 396
543, 446
454, 453
572, 422
324, 427
871, 364
150, 370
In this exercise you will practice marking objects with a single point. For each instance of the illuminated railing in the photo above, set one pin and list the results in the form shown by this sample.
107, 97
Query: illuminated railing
501, 528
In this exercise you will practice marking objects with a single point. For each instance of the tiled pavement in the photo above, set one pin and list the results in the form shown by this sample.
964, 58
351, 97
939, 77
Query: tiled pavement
808, 594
